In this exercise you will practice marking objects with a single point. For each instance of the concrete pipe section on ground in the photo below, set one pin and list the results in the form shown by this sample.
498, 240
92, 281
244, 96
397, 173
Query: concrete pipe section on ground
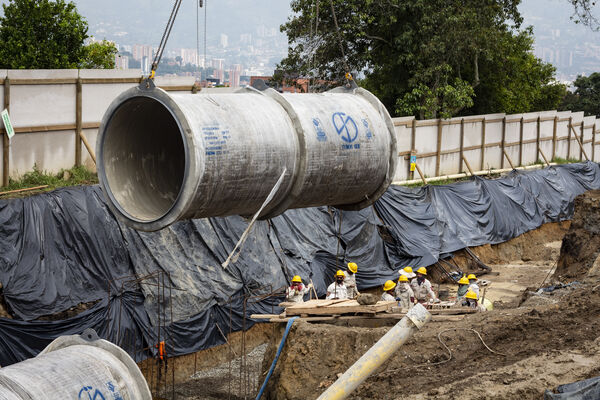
166, 157
75, 367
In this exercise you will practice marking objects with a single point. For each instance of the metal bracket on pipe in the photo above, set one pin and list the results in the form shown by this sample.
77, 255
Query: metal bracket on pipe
147, 84
418, 315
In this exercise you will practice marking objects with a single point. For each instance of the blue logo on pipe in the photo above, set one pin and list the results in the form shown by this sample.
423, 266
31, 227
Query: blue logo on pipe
345, 126
91, 394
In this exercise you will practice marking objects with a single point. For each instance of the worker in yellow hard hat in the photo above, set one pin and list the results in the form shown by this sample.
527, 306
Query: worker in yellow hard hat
404, 293
350, 280
422, 287
388, 291
471, 300
296, 291
408, 272
337, 290
473, 285
463, 288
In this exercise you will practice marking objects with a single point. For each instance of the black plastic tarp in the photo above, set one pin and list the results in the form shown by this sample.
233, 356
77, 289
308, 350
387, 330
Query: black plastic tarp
588, 389
65, 247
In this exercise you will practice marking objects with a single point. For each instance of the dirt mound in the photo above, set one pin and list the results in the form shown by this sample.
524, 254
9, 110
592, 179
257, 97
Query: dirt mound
581, 245
314, 355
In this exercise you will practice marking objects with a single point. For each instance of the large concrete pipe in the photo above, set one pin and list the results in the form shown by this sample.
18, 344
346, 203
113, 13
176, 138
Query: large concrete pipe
75, 367
165, 157
378, 354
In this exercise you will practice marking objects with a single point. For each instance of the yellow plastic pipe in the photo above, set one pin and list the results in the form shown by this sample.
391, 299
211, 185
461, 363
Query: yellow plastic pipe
378, 354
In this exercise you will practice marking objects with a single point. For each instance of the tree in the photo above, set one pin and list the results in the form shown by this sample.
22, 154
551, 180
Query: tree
41, 34
584, 13
99, 55
424, 57
586, 96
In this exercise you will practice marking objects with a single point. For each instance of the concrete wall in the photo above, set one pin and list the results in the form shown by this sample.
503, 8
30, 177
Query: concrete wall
43, 110
437, 143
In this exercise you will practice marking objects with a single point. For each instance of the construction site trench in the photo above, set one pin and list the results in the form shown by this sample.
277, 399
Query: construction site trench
532, 341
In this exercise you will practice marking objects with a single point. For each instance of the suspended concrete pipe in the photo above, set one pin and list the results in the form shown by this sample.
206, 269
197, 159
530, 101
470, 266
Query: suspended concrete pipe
378, 354
166, 157
75, 367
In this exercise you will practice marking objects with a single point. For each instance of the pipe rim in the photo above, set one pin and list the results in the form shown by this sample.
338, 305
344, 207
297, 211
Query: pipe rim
180, 204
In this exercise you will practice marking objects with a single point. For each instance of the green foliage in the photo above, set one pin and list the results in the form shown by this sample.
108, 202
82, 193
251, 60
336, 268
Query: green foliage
586, 97
41, 34
424, 57
99, 55
70, 177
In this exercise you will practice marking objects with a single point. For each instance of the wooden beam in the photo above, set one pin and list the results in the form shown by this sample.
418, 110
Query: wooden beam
461, 150
5, 139
78, 122
439, 148
421, 174
569, 138
483, 144
594, 143
88, 147
503, 143
580, 144
537, 136
23, 190
544, 157
521, 142
468, 165
508, 158
413, 150
554, 128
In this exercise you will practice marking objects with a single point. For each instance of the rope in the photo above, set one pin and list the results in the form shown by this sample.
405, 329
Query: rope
339, 37
165, 36
439, 336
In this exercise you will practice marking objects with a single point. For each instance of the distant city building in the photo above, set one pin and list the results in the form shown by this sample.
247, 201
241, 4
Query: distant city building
224, 40
139, 51
145, 65
245, 38
121, 62
219, 69
189, 56
234, 75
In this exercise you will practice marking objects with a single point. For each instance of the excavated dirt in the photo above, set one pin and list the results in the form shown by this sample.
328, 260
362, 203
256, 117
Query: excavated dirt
581, 245
553, 339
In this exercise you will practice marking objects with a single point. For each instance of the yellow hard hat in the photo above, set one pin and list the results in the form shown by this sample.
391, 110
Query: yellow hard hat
340, 273
403, 278
297, 278
353, 267
463, 281
471, 276
471, 295
408, 269
389, 285
422, 270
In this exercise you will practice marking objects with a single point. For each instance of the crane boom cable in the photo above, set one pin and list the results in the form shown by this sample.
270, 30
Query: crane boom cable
339, 37
165, 37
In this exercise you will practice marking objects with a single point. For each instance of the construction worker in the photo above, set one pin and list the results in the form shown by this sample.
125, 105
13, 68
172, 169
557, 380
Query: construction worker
473, 284
422, 287
404, 293
471, 300
295, 293
350, 280
408, 272
463, 288
337, 290
388, 291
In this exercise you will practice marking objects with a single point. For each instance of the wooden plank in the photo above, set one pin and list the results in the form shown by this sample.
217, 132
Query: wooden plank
5, 139
413, 150
569, 138
23, 190
111, 80
482, 145
78, 122
177, 88
438, 158
421, 174
544, 157
521, 142
468, 165
462, 145
554, 128
88, 147
357, 318
350, 306
580, 144
45, 81
537, 137
594, 143
508, 158
503, 143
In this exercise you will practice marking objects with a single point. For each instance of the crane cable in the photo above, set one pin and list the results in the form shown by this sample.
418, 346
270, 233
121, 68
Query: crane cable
339, 38
165, 37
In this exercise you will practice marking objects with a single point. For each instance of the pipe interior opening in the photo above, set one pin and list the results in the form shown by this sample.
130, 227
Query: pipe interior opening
144, 158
